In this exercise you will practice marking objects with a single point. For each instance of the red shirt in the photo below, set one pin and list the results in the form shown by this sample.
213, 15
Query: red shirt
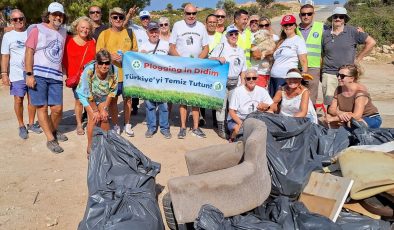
73, 54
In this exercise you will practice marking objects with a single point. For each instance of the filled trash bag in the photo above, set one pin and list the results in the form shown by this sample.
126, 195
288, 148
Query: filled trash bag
121, 184
365, 136
211, 218
353, 221
295, 148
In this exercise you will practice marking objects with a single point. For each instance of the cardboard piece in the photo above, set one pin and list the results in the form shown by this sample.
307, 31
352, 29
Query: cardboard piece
357, 207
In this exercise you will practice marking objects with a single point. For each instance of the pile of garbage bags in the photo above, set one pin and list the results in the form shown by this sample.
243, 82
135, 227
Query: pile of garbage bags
121, 184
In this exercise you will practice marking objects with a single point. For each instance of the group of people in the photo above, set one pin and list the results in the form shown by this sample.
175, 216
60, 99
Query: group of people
35, 61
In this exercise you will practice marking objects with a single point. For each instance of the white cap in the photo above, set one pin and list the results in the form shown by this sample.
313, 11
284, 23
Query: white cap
293, 75
231, 28
144, 13
55, 7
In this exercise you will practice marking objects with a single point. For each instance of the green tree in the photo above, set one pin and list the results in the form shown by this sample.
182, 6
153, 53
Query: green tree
220, 4
169, 7
229, 6
264, 3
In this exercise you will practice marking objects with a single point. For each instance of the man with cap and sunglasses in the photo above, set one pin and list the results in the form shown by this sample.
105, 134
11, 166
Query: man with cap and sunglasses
43, 66
340, 48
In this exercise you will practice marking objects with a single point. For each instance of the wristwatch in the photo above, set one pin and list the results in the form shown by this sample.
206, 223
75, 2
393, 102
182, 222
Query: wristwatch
29, 73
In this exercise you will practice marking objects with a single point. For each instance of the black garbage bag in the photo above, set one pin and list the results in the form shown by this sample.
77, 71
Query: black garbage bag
294, 215
295, 148
353, 221
365, 136
121, 184
211, 218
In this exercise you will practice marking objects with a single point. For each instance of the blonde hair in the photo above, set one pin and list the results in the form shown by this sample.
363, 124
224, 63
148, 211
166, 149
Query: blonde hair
164, 19
75, 23
354, 70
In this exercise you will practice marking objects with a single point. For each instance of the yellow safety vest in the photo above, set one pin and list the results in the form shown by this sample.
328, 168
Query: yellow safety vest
246, 44
216, 40
313, 44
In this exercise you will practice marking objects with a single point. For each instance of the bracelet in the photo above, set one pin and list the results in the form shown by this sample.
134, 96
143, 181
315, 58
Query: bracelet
3, 73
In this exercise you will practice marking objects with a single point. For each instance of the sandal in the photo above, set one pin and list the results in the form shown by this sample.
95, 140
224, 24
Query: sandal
80, 131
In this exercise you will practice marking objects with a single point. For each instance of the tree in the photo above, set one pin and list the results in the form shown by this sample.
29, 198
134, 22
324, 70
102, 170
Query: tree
220, 4
169, 7
264, 3
229, 6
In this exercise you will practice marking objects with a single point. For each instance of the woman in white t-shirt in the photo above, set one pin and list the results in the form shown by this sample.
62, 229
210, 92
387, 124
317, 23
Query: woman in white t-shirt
165, 31
290, 51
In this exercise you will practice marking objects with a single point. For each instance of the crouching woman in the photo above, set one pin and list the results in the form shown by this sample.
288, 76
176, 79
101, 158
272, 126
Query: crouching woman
96, 89
352, 101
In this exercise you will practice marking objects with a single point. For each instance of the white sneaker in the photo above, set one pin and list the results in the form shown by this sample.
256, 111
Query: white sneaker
116, 128
127, 129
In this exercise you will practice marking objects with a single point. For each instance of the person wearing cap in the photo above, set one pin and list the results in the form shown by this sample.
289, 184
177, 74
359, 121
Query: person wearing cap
12, 58
289, 52
294, 98
156, 46
229, 52
245, 35
189, 38
118, 39
98, 26
246, 99
340, 48
221, 16
44, 77
254, 24
312, 33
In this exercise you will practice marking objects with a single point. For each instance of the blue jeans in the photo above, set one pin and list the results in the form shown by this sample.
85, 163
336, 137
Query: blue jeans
373, 122
151, 116
274, 85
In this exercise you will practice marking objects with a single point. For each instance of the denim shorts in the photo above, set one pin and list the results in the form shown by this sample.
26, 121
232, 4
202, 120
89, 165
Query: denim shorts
75, 93
120, 89
18, 88
47, 91
374, 121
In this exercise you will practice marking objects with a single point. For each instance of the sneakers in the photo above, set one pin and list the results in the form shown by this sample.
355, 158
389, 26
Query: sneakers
34, 128
23, 132
198, 133
182, 133
116, 128
54, 146
221, 131
149, 134
167, 134
60, 136
127, 129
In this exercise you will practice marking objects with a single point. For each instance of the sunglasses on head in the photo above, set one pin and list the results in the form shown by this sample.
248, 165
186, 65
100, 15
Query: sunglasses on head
305, 14
340, 16
264, 25
95, 12
103, 63
253, 21
116, 17
251, 78
190, 13
342, 76
233, 34
20, 19
288, 25
220, 16
164, 24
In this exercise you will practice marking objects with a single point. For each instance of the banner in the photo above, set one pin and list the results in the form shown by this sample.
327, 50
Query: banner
179, 80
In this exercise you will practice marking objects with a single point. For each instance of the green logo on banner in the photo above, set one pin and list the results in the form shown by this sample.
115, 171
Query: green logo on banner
136, 64
217, 86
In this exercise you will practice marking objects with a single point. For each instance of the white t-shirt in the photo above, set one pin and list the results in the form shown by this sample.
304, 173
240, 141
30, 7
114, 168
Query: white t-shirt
262, 66
140, 33
245, 102
14, 44
286, 56
189, 39
234, 56
148, 47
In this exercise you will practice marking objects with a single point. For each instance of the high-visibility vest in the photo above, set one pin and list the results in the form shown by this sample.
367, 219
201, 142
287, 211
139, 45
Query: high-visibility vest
216, 40
246, 44
313, 44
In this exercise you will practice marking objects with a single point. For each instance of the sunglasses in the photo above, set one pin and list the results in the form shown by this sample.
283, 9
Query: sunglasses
103, 63
233, 34
116, 17
57, 14
340, 16
264, 25
220, 16
305, 14
164, 24
288, 25
342, 76
251, 78
253, 21
95, 12
190, 13
18, 19
144, 18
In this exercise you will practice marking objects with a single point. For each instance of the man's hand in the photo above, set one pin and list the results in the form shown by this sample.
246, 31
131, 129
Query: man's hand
132, 11
104, 115
5, 79
116, 57
30, 81
345, 117
262, 106
222, 60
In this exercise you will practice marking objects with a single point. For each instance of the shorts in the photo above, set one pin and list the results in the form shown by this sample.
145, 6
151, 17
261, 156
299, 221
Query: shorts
231, 124
374, 121
75, 93
120, 89
18, 88
329, 85
47, 91
263, 80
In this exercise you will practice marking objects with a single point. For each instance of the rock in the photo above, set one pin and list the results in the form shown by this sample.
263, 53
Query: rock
52, 223
392, 46
386, 49
59, 180
378, 49
369, 58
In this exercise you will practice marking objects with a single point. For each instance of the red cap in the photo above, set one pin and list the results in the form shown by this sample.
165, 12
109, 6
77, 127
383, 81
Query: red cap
288, 19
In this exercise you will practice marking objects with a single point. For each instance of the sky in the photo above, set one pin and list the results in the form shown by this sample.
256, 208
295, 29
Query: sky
161, 4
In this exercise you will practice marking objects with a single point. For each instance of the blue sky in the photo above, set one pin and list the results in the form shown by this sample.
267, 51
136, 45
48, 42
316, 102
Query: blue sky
160, 4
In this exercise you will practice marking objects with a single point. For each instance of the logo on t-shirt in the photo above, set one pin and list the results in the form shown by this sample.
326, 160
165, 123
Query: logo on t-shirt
237, 62
136, 64
315, 34
53, 51
189, 41
20, 44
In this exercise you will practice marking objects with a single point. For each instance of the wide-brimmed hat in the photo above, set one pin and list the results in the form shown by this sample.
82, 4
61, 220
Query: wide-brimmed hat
339, 10
116, 10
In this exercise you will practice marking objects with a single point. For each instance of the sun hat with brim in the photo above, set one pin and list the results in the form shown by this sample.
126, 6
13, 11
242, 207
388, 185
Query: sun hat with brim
116, 10
293, 75
339, 10
55, 7
231, 28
